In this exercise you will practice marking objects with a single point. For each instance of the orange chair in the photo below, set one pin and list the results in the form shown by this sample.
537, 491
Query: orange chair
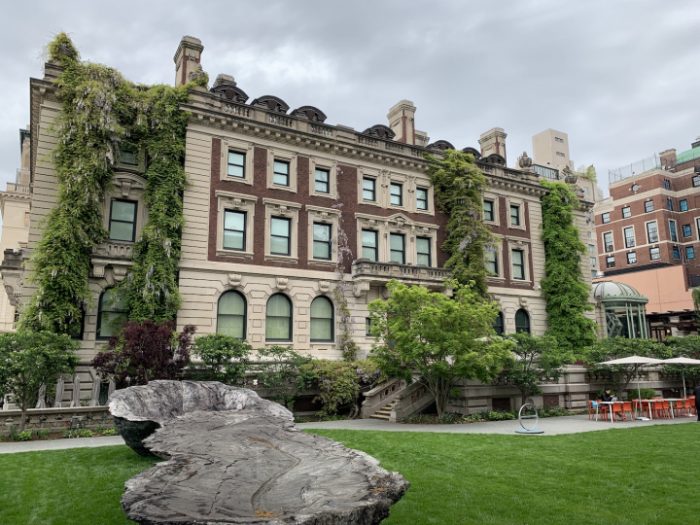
617, 410
627, 410
662, 409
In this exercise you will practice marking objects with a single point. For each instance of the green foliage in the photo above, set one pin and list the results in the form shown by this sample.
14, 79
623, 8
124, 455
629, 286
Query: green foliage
24, 435
563, 286
100, 110
688, 346
589, 174
339, 383
226, 357
617, 347
440, 338
459, 188
29, 360
279, 373
78, 433
537, 359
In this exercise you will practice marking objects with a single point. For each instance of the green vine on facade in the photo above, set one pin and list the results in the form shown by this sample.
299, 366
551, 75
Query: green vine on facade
459, 189
563, 287
100, 110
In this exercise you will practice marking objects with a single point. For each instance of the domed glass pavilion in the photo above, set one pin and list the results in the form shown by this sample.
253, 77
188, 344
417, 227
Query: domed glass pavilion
621, 310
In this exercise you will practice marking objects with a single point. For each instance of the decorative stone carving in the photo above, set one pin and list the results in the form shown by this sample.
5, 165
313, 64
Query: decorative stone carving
380, 131
235, 458
324, 286
281, 283
234, 279
271, 103
524, 161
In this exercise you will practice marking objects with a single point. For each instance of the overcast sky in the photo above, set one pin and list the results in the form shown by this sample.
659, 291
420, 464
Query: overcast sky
621, 78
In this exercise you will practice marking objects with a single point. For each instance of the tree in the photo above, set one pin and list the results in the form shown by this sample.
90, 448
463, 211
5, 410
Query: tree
459, 190
536, 359
145, 351
29, 360
563, 286
226, 357
442, 339
688, 346
617, 347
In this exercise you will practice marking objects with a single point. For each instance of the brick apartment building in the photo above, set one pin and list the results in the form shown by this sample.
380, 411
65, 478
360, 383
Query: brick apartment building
648, 234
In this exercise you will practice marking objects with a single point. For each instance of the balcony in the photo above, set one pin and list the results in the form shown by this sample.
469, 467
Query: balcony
383, 272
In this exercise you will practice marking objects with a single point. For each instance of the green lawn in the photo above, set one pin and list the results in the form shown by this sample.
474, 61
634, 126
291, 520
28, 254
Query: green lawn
636, 476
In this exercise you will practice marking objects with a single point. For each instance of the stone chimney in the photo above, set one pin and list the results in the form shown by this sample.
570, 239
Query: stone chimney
187, 58
493, 141
667, 158
401, 121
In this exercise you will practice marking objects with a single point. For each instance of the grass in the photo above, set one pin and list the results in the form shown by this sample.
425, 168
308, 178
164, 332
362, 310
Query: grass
67, 487
620, 476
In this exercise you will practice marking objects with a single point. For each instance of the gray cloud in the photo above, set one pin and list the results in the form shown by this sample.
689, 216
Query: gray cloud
619, 77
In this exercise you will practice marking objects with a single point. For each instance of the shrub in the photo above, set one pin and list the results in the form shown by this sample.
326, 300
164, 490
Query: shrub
339, 382
145, 351
279, 373
24, 435
225, 357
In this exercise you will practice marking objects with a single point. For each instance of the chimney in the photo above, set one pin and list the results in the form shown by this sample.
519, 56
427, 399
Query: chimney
401, 121
493, 141
187, 58
667, 158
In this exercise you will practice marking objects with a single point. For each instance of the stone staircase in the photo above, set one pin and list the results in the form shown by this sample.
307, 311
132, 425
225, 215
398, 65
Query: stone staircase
385, 412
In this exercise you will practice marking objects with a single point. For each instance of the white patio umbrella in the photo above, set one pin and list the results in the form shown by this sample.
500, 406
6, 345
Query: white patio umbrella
685, 361
635, 361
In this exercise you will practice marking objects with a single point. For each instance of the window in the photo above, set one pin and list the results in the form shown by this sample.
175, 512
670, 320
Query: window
517, 258
675, 252
610, 261
234, 230
667, 184
608, 241
488, 211
112, 313
687, 230
648, 206
280, 236
421, 198
558, 139
696, 181
669, 203
683, 205
654, 253
322, 323
278, 319
498, 324
605, 217
280, 173
368, 326
369, 189
122, 220
423, 252
560, 154
369, 245
236, 165
514, 215
632, 258
396, 191
629, 237
322, 241
522, 322
231, 315
322, 178
491, 261
689, 252
652, 232
397, 248
626, 212
673, 230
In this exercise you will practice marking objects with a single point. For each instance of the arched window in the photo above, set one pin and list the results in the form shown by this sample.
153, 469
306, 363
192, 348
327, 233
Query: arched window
322, 319
112, 313
231, 315
522, 321
278, 321
498, 324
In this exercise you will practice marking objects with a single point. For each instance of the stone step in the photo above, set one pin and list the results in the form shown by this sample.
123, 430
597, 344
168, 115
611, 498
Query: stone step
384, 412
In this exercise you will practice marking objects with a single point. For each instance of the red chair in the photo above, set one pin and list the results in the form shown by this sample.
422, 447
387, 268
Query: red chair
627, 410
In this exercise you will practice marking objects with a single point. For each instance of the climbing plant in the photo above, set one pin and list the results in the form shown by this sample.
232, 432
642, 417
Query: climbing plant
563, 287
459, 187
99, 110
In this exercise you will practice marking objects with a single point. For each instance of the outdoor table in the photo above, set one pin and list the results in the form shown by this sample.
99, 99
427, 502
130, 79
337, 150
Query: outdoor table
610, 410
671, 401
640, 403
650, 402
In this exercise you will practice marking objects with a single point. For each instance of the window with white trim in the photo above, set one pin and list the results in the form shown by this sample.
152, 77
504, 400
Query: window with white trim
397, 248
231, 315
278, 318
234, 230
369, 189
280, 236
423, 251
322, 241
629, 237
421, 198
235, 167
517, 262
652, 232
370, 245
280, 173
396, 194
122, 220
322, 320
322, 180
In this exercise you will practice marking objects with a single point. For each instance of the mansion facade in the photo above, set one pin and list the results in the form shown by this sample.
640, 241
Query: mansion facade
287, 216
